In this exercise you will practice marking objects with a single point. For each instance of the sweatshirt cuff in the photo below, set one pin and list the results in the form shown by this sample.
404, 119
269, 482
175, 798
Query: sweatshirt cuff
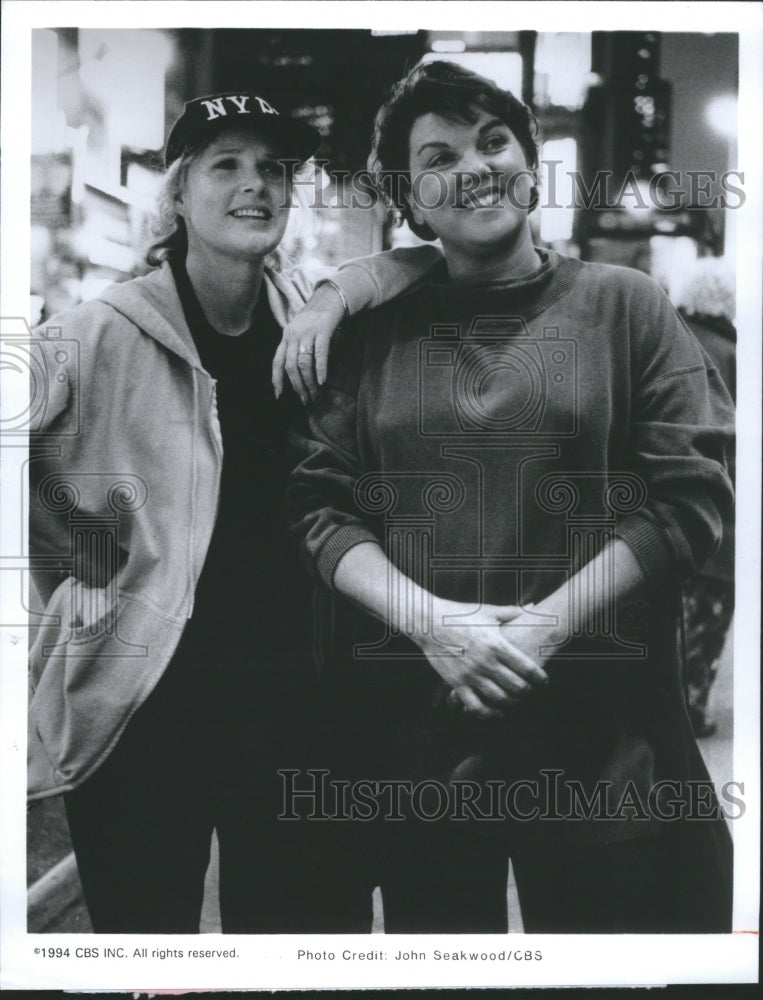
336, 545
359, 286
386, 275
650, 545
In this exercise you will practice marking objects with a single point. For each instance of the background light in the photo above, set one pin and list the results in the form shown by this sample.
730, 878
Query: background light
503, 68
721, 114
127, 75
557, 199
448, 45
562, 68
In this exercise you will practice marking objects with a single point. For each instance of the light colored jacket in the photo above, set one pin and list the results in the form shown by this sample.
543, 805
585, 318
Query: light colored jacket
125, 464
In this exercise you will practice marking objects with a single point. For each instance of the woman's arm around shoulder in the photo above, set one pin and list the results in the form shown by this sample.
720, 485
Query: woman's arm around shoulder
335, 295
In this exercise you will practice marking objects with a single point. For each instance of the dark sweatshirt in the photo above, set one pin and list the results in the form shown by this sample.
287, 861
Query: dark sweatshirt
717, 336
492, 439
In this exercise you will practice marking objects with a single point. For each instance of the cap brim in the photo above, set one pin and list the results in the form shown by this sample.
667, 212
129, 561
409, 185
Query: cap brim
295, 139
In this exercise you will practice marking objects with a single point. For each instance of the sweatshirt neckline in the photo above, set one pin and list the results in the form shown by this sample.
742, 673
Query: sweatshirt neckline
529, 295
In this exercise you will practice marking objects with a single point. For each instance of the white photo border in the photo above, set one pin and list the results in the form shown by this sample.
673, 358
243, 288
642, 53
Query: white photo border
269, 962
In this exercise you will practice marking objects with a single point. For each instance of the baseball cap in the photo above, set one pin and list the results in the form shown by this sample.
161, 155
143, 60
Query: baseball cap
206, 116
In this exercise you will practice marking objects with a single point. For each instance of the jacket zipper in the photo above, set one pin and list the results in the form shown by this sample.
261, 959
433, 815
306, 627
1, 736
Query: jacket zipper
217, 439
192, 532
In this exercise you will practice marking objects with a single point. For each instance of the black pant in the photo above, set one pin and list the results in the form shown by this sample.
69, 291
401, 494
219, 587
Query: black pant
201, 754
679, 882
446, 877
450, 876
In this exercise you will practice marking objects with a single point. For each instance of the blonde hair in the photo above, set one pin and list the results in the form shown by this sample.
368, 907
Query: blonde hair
168, 232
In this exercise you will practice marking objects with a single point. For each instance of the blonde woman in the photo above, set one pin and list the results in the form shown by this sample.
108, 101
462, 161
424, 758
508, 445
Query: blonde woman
172, 676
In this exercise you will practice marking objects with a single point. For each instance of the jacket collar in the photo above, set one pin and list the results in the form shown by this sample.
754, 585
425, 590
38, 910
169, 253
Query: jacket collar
152, 303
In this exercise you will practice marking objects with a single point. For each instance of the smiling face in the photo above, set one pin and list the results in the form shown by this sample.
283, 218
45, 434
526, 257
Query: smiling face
471, 185
235, 198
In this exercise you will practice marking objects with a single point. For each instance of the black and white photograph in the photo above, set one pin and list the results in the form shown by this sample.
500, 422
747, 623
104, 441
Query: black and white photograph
380, 438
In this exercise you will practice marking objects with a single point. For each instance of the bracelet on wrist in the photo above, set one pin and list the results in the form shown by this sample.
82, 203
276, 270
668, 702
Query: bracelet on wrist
338, 289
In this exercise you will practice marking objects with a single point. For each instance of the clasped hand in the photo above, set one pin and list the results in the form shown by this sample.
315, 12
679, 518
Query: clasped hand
492, 659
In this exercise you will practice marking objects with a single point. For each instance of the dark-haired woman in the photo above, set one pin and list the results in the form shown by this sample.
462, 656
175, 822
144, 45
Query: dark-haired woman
171, 674
514, 467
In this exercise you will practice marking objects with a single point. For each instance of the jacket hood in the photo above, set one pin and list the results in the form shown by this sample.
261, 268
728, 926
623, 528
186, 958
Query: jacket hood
152, 303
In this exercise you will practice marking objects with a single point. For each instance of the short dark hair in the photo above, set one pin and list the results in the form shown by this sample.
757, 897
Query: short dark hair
446, 89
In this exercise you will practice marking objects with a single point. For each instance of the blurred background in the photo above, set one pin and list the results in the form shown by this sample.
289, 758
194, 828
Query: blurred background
637, 104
